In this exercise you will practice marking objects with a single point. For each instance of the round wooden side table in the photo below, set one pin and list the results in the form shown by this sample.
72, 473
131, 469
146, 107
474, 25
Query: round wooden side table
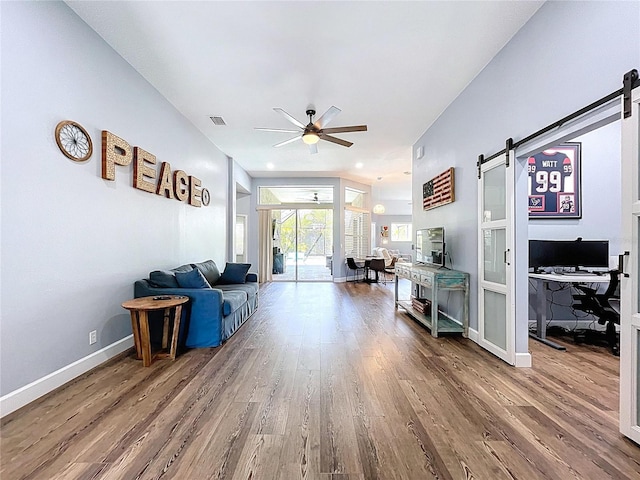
140, 308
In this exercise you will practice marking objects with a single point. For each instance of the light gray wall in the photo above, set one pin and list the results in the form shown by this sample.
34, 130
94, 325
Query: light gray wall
72, 243
382, 220
568, 55
239, 182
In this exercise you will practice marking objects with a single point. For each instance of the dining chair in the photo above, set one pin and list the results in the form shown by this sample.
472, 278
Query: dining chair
352, 265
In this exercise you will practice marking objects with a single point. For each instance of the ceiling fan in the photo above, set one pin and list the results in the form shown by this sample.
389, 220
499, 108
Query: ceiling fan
315, 131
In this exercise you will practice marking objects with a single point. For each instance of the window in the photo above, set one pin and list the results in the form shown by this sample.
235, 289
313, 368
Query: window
314, 195
353, 197
401, 232
357, 225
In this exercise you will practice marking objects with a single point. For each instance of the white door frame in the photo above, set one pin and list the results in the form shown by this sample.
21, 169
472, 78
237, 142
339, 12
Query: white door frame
592, 120
629, 279
245, 220
508, 289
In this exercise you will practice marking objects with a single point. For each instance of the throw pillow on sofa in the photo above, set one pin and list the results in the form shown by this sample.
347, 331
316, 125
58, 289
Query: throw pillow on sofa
234, 273
163, 279
192, 279
209, 269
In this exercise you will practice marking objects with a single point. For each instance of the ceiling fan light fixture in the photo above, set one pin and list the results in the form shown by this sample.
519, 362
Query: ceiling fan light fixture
310, 138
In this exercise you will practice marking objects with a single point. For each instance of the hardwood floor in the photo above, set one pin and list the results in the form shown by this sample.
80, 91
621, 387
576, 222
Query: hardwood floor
328, 381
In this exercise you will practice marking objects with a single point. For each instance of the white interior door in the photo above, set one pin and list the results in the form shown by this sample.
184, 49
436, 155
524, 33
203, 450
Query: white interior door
496, 315
630, 279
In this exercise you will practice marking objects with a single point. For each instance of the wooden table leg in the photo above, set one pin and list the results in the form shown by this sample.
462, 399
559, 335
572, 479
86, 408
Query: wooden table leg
176, 331
165, 327
136, 333
145, 338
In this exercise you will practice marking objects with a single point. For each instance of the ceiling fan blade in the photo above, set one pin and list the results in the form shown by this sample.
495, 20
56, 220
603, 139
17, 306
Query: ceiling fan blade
313, 148
291, 140
326, 117
289, 117
353, 128
339, 141
282, 130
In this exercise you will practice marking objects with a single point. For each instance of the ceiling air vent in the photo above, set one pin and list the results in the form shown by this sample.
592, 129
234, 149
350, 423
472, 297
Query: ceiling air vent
217, 121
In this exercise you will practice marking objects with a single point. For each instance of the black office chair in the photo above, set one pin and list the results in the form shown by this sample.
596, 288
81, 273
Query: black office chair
352, 265
598, 304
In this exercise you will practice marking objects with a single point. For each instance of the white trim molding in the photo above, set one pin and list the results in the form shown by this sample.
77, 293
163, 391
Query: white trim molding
523, 360
19, 398
473, 335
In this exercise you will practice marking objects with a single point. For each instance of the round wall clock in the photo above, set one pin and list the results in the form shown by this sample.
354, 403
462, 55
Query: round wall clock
205, 197
73, 141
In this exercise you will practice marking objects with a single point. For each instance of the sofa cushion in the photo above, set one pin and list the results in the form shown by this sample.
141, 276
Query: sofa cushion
209, 269
163, 279
250, 288
234, 273
233, 299
192, 279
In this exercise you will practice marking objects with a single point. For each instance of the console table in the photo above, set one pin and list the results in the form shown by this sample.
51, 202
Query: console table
425, 279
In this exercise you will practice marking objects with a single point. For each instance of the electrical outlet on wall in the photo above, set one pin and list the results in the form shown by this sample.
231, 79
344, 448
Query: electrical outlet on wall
93, 337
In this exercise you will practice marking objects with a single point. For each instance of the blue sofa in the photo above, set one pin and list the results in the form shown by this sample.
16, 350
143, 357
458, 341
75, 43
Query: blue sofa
214, 312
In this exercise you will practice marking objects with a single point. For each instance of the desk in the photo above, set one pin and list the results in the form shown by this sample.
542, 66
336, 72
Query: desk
542, 282
139, 308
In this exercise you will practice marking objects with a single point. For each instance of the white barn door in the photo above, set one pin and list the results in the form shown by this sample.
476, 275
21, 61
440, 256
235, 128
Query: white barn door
496, 310
630, 278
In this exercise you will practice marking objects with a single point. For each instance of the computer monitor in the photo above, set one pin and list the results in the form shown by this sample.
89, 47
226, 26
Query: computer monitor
579, 254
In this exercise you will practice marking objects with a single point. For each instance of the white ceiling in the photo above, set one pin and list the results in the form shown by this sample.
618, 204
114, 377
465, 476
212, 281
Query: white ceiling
394, 66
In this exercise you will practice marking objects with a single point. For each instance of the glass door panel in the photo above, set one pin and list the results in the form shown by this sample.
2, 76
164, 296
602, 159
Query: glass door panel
284, 245
495, 308
302, 245
494, 195
315, 244
495, 244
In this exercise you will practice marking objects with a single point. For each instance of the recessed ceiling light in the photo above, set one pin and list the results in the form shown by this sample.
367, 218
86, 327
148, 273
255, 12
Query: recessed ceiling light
270, 166
359, 165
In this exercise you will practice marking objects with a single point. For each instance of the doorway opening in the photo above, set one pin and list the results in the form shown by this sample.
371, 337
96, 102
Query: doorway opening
302, 245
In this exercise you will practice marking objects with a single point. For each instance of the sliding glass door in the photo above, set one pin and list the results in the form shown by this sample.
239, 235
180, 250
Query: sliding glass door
302, 244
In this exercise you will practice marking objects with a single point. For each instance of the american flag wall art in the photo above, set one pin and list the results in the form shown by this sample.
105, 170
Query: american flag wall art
439, 190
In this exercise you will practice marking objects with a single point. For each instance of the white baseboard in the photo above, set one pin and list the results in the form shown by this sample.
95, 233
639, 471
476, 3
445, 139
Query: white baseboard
19, 398
473, 335
523, 360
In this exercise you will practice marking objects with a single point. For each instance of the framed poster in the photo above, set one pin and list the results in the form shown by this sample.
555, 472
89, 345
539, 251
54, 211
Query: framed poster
554, 182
